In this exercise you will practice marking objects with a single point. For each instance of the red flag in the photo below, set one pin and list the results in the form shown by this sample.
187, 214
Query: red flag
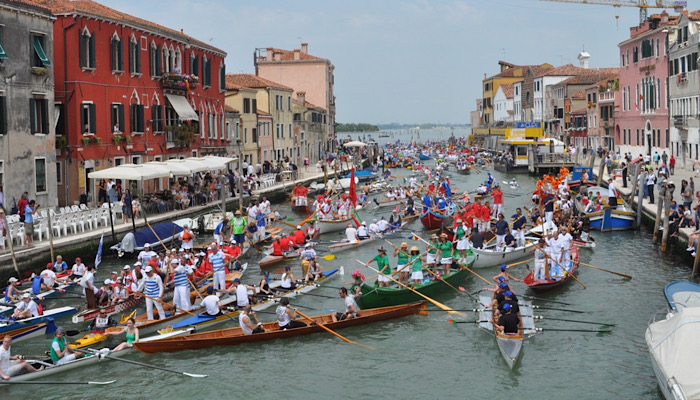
353, 193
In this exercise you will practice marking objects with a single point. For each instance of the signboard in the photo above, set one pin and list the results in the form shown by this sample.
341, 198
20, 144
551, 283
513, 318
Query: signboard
517, 134
522, 125
580, 171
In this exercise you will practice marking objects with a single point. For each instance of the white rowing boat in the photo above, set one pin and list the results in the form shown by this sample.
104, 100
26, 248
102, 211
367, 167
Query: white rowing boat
9, 325
510, 346
332, 225
489, 257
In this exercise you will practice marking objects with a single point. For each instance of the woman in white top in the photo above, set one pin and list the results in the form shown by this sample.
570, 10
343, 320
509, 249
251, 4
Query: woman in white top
286, 316
288, 282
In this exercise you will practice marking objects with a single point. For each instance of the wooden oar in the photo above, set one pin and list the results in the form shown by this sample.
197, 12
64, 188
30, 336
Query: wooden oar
573, 330
521, 262
570, 274
329, 330
55, 383
287, 223
157, 301
437, 303
573, 320
428, 269
457, 262
606, 270
99, 354
543, 299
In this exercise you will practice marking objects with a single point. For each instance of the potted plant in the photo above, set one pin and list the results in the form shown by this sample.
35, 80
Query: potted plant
116, 139
90, 139
61, 142
40, 71
184, 135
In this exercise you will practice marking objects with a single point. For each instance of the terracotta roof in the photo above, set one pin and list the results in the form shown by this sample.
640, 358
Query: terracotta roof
507, 90
238, 81
579, 111
96, 10
591, 76
288, 55
262, 113
27, 4
307, 104
579, 94
228, 108
692, 15
563, 70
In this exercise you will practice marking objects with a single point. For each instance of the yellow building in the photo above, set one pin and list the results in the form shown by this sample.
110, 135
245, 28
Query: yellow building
244, 100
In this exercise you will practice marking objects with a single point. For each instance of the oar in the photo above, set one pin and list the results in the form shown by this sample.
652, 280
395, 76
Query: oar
573, 320
313, 294
76, 332
7, 305
325, 328
543, 299
99, 354
573, 330
606, 270
451, 321
156, 300
55, 383
329, 257
457, 262
437, 303
570, 274
521, 262
287, 223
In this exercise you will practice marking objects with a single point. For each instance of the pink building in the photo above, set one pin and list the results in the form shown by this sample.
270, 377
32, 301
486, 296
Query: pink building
641, 121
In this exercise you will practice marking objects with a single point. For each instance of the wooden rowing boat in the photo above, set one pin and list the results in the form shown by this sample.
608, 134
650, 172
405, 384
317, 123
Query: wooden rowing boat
434, 220
543, 285
92, 313
332, 225
374, 296
235, 336
510, 346
583, 244
345, 245
489, 257
8, 325
270, 260
31, 331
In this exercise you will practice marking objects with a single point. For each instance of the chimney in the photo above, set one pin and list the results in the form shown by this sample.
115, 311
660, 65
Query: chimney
583, 59
277, 56
268, 54
305, 48
296, 55
301, 96
664, 17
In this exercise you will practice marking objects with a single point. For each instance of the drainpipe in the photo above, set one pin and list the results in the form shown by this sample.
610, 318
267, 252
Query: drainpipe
65, 109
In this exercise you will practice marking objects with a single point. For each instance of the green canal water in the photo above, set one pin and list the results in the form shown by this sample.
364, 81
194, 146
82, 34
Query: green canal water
419, 357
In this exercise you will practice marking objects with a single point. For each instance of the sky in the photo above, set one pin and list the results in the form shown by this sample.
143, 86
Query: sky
410, 61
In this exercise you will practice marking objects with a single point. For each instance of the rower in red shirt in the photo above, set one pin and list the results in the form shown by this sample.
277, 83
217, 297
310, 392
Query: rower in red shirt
277, 247
497, 195
299, 236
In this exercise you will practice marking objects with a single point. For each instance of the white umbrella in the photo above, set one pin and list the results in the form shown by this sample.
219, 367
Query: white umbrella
134, 172
212, 164
176, 169
192, 165
355, 143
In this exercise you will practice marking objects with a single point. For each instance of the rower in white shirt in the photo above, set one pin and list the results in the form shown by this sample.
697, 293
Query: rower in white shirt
362, 232
351, 233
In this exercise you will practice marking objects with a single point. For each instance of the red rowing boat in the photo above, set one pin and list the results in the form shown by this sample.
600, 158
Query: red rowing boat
433, 220
543, 285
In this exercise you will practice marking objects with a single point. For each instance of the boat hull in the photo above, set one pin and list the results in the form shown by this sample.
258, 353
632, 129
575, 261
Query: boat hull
490, 258
327, 226
90, 314
609, 220
544, 285
234, 336
34, 321
510, 346
432, 220
32, 331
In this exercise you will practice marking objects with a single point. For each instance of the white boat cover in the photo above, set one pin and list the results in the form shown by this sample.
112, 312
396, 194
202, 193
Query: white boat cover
674, 344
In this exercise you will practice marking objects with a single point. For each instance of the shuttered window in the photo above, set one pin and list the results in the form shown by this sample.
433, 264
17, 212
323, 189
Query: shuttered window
39, 115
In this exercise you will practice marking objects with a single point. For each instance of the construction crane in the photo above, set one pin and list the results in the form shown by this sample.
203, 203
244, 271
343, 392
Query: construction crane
643, 5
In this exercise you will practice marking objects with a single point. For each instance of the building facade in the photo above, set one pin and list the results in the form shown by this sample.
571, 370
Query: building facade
27, 113
643, 119
306, 73
150, 93
244, 99
684, 88
309, 128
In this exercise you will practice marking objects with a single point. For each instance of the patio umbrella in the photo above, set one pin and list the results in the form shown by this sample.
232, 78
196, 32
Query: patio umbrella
355, 143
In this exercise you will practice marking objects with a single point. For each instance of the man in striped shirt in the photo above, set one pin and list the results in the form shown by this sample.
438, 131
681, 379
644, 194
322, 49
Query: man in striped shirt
181, 296
152, 286
217, 259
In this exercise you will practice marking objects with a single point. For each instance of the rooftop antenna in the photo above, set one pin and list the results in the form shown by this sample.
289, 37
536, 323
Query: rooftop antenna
504, 53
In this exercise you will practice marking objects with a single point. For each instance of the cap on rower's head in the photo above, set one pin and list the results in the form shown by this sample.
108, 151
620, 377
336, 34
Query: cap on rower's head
508, 293
49, 265
26, 296
210, 290
298, 226
504, 267
148, 269
501, 279
60, 330
236, 280
13, 279
126, 267
506, 307
137, 264
146, 245
287, 268
502, 285
266, 273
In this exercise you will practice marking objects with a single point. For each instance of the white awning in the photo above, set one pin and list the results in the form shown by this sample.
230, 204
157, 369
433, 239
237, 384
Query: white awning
211, 163
182, 107
133, 172
176, 169
192, 166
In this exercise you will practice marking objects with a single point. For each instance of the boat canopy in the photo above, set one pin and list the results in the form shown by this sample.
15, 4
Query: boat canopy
674, 345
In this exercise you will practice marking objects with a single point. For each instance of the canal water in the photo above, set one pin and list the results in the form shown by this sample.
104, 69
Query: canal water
420, 357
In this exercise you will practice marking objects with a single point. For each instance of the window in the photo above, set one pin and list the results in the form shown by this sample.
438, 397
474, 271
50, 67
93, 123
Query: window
3, 55
155, 60
206, 71
194, 65
282, 130
157, 122
40, 174
647, 48
246, 106
117, 120
39, 115
289, 103
136, 160
255, 106
39, 58
170, 116
211, 122
3, 116
635, 54
166, 60
116, 54
245, 135
58, 173
87, 118
119, 161
134, 56
222, 77
136, 118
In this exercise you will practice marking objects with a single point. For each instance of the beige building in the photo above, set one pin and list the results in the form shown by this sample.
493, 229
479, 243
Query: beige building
304, 73
309, 128
276, 100
244, 100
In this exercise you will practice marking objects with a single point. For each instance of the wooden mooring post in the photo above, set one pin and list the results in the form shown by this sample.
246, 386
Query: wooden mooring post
659, 210
667, 209
640, 198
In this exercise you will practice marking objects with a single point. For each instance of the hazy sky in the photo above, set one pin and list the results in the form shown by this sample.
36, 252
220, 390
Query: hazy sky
409, 61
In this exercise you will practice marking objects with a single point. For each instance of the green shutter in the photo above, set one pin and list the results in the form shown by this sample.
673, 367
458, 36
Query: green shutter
91, 43
93, 119
159, 62
32, 115
140, 122
3, 55
40, 51
120, 109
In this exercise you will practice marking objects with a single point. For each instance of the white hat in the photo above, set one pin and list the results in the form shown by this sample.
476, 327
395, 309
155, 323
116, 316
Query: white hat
233, 241
186, 256
13, 279
26, 296
148, 268
363, 223
108, 281
308, 245
114, 272
181, 250
374, 220
209, 248
214, 243
137, 264
174, 261
298, 226
127, 267
146, 245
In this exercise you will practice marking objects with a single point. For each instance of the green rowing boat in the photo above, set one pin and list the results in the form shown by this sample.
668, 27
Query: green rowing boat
374, 296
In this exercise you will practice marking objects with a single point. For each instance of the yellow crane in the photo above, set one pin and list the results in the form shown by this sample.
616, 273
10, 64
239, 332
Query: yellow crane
643, 5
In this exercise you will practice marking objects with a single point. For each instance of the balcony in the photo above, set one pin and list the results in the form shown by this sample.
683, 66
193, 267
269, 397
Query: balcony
680, 122
179, 82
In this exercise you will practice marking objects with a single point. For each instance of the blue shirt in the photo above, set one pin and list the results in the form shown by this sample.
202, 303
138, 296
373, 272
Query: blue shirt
28, 216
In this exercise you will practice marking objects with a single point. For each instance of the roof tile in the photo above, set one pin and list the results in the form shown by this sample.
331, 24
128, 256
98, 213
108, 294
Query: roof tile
239, 81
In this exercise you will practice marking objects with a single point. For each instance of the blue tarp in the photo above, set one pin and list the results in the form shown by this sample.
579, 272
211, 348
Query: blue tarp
164, 230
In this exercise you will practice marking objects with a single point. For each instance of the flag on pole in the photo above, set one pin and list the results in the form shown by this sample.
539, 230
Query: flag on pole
98, 257
353, 192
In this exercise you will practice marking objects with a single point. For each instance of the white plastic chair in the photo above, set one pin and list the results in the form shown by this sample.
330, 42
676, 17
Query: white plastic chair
83, 207
74, 208
56, 225
74, 224
17, 234
39, 227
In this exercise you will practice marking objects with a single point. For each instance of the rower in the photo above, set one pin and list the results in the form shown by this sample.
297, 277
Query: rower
315, 271
48, 278
78, 269
362, 233
60, 265
59, 352
211, 303
277, 247
447, 250
508, 322
509, 241
181, 296
351, 233
288, 282
187, 238
102, 322
519, 221
382, 265
241, 291
264, 285
147, 254
27, 308
299, 236
509, 298
416, 263
286, 316
312, 232
431, 248
382, 225
11, 365
247, 326
11, 291
152, 285
239, 224
402, 268
351, 307
505, 275
395, 219
217, 258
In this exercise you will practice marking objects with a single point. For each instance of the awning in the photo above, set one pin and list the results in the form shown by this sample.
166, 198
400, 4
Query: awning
183, 108
176, 169
192, 166
211, 163
133, 172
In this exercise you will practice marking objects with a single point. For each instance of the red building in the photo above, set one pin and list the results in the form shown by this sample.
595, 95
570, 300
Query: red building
130, 91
